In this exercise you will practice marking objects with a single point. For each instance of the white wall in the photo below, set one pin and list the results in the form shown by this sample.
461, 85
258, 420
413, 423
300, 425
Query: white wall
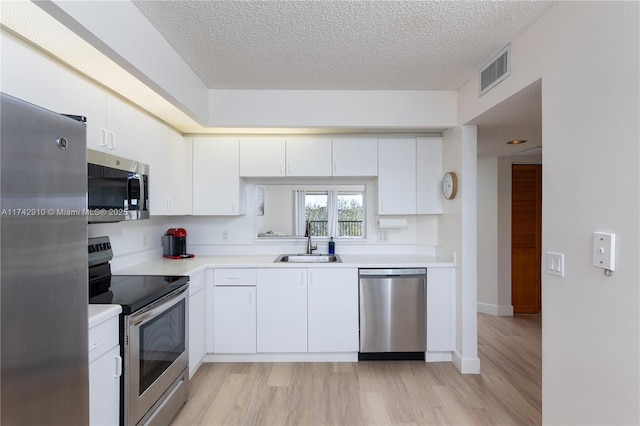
587, 54
333, 108
205, 232
504, 236
494, 232
488, 235
457, 231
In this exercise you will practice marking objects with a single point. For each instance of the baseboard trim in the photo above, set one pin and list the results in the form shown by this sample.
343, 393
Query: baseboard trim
434, 356
466, 365
500, 311
284, 357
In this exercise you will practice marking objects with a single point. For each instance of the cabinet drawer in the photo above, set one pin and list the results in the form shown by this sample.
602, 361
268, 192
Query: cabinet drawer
103, 337
234, 277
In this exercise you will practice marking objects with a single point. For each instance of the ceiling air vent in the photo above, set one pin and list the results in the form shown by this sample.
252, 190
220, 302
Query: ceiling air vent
498, 68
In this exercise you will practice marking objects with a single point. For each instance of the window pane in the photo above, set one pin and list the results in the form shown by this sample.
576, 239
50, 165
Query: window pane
350, 214
316, 213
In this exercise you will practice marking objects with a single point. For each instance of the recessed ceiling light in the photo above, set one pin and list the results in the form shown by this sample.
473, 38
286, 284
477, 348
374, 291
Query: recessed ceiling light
516, 141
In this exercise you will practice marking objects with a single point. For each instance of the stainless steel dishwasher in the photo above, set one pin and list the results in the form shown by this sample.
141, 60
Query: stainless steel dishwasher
392, 314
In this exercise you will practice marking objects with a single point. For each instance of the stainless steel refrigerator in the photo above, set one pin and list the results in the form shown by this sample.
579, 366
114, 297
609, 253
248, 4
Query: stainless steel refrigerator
43, 263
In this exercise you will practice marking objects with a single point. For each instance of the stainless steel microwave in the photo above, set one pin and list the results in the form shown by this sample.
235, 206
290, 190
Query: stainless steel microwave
118, 188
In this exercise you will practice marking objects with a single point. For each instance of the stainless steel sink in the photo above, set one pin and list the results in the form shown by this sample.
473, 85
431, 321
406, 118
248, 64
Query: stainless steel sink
308, 258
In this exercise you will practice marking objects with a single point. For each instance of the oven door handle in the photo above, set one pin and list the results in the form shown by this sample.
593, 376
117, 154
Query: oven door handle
158, 307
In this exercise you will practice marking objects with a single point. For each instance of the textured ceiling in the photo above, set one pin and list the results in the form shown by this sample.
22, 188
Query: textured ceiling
370, 45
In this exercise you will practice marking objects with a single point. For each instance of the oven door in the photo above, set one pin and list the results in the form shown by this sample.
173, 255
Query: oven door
156, 354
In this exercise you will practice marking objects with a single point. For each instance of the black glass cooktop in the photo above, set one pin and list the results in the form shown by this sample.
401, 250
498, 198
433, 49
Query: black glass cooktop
132, 292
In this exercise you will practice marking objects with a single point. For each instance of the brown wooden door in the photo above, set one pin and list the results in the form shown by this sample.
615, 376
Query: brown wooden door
526, 238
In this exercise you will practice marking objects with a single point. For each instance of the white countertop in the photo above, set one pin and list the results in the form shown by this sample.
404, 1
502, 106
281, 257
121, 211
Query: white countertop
101, 313
163, 266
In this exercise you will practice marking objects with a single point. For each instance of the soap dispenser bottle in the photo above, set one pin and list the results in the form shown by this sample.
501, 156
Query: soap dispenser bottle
332, 246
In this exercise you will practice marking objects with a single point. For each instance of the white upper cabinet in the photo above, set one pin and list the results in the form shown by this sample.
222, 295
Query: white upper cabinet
262, 157
217, 187
81, 97
429, 173
397, 176
122, 130
295, 156
308, 156
165, 151
355, 156
113, 125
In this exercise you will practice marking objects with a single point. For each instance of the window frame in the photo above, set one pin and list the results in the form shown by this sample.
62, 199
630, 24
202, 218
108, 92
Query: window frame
339, 190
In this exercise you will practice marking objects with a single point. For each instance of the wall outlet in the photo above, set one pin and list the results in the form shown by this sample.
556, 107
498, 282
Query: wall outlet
383, 236
225, 235
604, 250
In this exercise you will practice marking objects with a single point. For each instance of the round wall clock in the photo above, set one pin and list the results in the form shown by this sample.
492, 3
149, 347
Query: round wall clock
449, 185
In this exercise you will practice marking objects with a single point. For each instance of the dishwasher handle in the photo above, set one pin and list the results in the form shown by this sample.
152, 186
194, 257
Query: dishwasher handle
392, 272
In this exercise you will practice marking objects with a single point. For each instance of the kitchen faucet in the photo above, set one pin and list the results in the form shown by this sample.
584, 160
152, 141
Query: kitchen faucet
310, 247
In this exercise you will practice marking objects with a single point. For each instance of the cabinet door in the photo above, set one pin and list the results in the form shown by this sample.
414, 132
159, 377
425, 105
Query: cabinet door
197, 336
178, 188
234, 319
397, 176
155, 146
81, 97
309, 156
333, 310
441, 320
429, 175
123, 138
262, 157
104, 388
355, 156
217, 189
282, 310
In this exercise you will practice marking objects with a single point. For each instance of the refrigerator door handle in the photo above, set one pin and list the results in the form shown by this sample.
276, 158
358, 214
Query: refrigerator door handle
118, 359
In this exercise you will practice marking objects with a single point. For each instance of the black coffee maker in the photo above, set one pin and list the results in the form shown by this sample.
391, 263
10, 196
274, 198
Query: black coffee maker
174, 244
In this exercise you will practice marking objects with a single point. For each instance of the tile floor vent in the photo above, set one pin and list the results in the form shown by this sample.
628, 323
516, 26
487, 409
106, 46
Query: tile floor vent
498, 68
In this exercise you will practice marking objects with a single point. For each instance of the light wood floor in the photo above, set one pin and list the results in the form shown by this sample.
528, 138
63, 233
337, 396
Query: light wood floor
508, 392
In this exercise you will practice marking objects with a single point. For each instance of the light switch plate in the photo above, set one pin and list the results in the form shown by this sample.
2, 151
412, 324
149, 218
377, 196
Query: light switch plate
555, 263
604, 250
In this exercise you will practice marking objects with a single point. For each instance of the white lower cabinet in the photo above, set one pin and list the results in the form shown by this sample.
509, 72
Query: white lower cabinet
104, 389
282, 310
307, 310
441, 313
332, 303
197, 321
234, 311
105, 369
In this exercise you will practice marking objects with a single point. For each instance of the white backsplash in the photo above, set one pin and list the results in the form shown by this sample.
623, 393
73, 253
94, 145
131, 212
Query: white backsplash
141, 241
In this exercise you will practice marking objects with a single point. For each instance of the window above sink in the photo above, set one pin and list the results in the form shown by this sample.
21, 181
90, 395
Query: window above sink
334, 210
